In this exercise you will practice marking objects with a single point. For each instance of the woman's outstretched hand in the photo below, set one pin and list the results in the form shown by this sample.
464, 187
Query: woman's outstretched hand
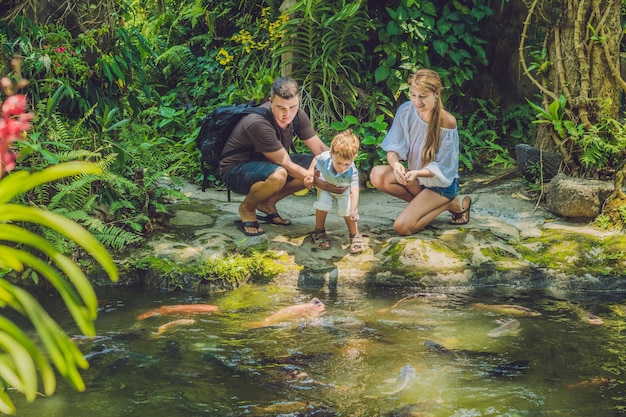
400, 173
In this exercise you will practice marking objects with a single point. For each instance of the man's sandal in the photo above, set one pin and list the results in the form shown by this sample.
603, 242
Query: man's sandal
356, 243
241, 225
320, 240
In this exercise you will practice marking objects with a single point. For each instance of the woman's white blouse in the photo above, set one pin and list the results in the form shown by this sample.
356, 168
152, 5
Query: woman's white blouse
407, 137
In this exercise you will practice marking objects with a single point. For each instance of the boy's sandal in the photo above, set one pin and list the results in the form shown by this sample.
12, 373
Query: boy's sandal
320, 240
356, 243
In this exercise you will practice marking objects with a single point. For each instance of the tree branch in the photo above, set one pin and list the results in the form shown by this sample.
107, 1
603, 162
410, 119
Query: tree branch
612, 63
522, 59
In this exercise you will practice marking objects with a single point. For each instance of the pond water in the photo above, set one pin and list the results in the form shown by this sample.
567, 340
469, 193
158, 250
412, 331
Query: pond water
369, 353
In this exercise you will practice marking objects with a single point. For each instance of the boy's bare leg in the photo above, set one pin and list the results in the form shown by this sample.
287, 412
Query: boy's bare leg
320, 220
352, 225
319, 234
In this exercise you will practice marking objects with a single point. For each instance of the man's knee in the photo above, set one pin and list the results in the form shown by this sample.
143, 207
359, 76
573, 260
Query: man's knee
278, 178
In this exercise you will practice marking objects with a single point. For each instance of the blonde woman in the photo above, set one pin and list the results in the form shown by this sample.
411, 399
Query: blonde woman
424, 135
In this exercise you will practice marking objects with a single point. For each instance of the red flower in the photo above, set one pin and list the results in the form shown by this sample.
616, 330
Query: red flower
14, 121
14, 105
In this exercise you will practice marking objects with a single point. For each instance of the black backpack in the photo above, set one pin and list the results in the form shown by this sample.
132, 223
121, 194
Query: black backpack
215, 131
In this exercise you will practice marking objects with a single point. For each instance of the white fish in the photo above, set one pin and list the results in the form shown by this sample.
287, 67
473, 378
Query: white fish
509, 309
405, 378
507, 328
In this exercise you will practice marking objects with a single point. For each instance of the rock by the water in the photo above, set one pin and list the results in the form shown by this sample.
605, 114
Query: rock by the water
530, 159
576, 197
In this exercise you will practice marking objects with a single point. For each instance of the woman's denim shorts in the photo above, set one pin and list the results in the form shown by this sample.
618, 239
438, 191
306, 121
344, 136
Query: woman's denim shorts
450, 191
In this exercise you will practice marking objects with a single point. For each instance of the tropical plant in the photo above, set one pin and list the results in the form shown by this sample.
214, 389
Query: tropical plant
89, 75
23, 363
371, 135
250, 65
488, 136
443, 36
553, 115
324, 48
579, 96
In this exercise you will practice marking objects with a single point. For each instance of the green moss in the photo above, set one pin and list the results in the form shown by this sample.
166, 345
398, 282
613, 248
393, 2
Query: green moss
414, 274
456, 244
165, 269
497, 253
394, 252
235, 270
442, 246
227, 272
575, 253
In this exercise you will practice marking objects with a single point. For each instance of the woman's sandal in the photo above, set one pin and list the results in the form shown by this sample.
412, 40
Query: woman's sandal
356, 243
320, 240
463, 216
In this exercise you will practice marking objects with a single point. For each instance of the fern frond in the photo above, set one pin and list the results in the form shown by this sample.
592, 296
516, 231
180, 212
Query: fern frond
58, 131
115, 237
105, 163
78, 155
177, 61
80, 216
120, 204
73, 195
118, 183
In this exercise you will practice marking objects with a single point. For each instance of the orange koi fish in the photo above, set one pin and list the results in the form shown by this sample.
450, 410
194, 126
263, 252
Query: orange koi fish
306, 311
181, 309
175, 323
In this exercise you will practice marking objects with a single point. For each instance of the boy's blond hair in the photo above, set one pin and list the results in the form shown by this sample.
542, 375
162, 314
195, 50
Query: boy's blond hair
345, 145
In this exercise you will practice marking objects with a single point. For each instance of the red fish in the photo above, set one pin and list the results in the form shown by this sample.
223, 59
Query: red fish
180, 309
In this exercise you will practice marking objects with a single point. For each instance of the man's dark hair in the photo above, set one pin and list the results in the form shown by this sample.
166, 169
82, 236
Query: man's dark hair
285, 87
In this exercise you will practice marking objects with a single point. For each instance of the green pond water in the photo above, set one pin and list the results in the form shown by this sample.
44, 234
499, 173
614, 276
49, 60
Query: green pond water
353, 360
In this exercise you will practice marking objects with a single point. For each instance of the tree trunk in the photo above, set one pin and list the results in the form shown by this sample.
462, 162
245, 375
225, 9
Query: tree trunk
286, 68
583, 55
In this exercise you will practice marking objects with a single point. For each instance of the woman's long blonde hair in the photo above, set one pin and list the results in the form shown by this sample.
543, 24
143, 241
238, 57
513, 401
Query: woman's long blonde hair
429, 80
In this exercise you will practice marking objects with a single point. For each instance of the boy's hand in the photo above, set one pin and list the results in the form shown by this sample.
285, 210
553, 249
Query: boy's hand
354, 215
309, 181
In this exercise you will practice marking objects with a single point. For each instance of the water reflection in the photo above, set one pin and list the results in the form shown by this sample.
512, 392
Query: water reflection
448, 353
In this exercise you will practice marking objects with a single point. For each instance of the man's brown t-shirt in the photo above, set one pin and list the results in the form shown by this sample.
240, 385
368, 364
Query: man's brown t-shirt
255, 131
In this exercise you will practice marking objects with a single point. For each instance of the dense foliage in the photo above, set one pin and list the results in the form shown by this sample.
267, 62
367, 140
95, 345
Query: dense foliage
122, 85
26, 362
130, 91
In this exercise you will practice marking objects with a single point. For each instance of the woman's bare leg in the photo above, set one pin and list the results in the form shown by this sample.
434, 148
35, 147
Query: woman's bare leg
420, 212
383, 178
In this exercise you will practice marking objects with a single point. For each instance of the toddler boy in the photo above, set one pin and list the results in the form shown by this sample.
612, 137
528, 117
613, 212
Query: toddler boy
337, 168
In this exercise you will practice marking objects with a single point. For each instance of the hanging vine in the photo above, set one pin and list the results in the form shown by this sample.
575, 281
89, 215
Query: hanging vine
580, 83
